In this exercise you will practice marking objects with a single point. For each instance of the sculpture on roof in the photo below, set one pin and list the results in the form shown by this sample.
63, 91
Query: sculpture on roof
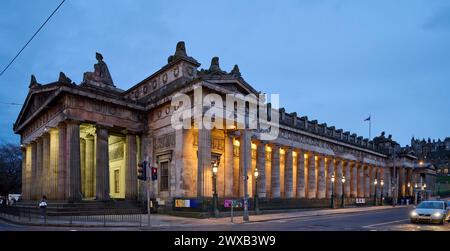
101, 73
33, 82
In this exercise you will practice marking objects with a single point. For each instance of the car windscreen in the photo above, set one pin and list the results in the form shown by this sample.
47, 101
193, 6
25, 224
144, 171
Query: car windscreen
431, 205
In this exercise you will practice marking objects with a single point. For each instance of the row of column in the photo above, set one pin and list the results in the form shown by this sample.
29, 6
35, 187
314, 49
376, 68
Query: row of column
52, 165
286, 172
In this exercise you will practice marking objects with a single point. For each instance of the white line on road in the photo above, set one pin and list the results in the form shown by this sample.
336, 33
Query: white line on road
385, 223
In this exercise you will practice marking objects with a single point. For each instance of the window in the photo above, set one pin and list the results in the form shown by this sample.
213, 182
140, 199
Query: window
116, 181
164, 182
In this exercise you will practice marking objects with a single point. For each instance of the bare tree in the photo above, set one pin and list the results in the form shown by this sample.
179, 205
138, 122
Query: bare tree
10, 169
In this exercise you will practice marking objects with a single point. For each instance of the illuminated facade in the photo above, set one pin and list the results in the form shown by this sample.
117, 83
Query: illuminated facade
83, 142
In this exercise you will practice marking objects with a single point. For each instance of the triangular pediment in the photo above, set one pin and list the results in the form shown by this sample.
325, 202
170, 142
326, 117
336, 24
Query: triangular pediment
34, 102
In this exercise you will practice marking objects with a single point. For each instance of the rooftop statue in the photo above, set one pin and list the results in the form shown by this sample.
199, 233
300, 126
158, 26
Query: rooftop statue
101, 73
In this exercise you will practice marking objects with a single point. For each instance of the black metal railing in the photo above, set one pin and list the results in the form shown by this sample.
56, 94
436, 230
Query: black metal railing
114, 217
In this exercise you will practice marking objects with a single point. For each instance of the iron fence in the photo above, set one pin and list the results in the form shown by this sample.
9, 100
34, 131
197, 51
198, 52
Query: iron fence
44, 216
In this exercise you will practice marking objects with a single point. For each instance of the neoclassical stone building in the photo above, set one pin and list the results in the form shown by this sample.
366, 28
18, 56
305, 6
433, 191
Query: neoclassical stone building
84, 141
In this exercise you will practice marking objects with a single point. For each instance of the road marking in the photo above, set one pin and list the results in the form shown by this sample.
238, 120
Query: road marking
385, 223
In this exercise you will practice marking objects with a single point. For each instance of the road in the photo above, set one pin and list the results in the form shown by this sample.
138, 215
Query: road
395, 219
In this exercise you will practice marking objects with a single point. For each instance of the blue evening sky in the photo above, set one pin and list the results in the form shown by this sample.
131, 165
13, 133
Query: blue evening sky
334, 61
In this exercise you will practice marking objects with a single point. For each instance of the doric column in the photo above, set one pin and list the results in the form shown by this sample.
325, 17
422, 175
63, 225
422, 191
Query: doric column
288, 174
24, 173
73, 161
387, 182
275, 180
261, 166
131, 168
312, 178
360, 185
379, 177
403, 177
90, 164
354, 180
346, 170
102, 164
39, 168
339, 174
83, 166
409, 180
321, 193
301, 175
373, 172
62, 162
366, 181
229, 166
46, 165
53, 164
330, 171
204, 159
34, 172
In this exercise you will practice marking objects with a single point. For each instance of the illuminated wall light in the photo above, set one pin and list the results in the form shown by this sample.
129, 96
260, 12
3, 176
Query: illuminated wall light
237, 143
253, 146
268, 149
282, 151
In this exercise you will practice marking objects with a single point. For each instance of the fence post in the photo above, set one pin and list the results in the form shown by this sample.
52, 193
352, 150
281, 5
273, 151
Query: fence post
104, 220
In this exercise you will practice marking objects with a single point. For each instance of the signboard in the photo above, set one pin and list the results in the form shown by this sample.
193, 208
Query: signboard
360, 201
235, 203
182, 203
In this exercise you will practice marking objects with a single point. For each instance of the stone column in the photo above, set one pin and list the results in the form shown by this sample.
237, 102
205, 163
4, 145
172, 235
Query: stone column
288, 174
312, 178
246, 162
301, 175
34, 172
53, 164
73, 161
373, 172
62, 162
204, 159
409, 180
403, 180
261, 166
366, 181
39, 168
24, 174
330, 171
360, 185
46, 165
83, 166
275, 181
131, 168
321, 193
387, 182
90, 163
102, 164
229, 166
354, 180
379, 177
339, 174
346, 169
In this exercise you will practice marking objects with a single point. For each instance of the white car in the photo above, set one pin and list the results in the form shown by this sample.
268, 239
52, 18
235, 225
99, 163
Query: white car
431, 211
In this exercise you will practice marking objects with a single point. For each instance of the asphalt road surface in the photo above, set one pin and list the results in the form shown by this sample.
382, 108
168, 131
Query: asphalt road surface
395, 219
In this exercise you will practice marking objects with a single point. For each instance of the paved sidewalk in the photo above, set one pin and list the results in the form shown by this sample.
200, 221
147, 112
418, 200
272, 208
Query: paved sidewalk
161, 220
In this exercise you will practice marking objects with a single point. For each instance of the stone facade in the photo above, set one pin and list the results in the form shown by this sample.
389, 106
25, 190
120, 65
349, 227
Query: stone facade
83, 141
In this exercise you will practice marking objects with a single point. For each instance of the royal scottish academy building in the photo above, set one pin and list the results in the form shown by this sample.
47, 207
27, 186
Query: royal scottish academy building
84, 141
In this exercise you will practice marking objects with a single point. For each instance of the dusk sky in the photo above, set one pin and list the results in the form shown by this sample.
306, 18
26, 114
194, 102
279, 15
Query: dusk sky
334, 61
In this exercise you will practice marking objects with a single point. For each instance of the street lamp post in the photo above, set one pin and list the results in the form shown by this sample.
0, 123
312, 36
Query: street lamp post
343, 192
256, 191
215, 197
332, 190
375, 182
382, 192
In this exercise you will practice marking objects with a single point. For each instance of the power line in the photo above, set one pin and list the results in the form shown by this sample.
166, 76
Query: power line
6, 103
40, 28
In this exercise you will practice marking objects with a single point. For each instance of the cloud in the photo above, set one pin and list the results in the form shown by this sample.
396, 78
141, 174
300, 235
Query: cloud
439, 21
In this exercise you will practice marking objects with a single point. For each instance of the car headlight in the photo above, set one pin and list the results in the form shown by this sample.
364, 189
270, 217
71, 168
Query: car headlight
437, 214
413, 213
